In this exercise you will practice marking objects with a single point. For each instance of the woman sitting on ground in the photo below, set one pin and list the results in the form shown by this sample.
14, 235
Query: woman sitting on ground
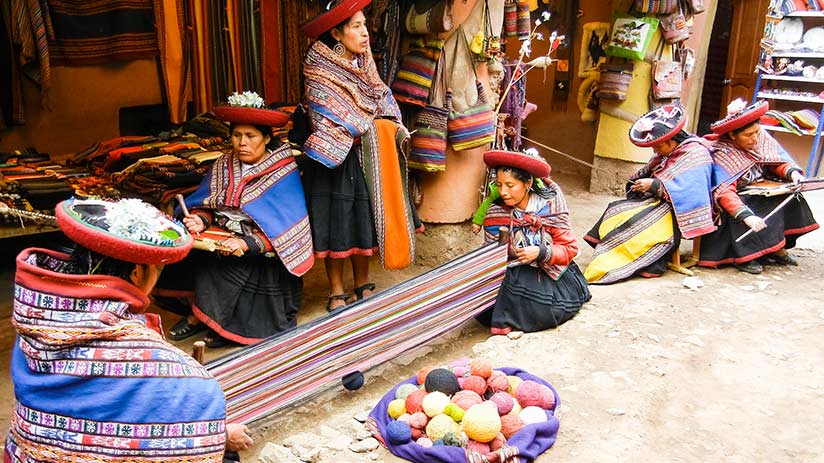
543, 287
667, 198
745, 154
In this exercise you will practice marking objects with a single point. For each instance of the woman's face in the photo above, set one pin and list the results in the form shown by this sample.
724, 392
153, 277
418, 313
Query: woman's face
664, 148
514, 192
249, 144
748, 137
354, 36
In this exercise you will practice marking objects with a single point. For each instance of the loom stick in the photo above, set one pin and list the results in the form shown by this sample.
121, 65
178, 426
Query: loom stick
777, 208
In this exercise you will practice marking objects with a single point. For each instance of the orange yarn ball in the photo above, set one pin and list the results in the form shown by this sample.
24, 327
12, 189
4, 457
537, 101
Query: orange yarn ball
475, 384
479, 447
414, 401
497, 442
510, 424
481, 367
422, 374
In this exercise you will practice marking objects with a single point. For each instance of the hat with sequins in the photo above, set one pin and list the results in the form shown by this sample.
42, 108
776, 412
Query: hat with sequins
658, 125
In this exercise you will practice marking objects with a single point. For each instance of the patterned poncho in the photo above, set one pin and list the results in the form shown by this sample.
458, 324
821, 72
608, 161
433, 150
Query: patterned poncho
731, 162
93, 382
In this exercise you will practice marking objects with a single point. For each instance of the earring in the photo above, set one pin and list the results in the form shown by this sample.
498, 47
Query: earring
339, 49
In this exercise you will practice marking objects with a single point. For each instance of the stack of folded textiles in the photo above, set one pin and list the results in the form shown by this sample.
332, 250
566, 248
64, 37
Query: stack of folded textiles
801, 122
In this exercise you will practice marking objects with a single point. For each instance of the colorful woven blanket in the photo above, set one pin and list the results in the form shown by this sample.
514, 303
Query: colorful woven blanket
731, 161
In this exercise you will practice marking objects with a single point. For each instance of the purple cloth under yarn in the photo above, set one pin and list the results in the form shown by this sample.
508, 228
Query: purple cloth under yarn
531, 441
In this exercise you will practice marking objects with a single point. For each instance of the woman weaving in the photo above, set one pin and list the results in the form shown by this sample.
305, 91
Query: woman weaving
355, 182
667, 198
253, 196
745, 154
543, 287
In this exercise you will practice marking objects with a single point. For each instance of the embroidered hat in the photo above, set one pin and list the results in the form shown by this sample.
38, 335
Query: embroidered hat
658, 125
129, 230
531, 161
739, 115
249, 108
336, 12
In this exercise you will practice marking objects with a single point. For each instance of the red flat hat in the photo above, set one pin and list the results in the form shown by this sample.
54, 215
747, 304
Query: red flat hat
338, 13
129, 230
251, 116
739, 119
537, 167
658, 125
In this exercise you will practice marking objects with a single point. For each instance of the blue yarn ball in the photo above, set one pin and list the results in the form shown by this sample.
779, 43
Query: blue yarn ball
398, 432
353, 381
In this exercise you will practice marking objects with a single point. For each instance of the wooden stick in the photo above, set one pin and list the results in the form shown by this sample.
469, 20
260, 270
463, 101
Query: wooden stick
777, 208
198, 351
182, 203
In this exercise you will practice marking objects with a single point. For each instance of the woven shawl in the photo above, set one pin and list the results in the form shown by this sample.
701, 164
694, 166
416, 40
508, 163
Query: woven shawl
271, 194
685, 174
730, 161
94, 383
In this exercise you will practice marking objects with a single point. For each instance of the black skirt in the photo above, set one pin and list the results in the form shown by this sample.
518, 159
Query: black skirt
340, 212
531, 301
783, 229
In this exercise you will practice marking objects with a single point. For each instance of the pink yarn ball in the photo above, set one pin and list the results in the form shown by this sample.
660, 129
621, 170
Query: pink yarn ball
503, 401
414, 401
461, 371
479, 447
497, 442
418, 420
497, 381
510, 424
466, 399
475, 384
424, 442
481, 367
461, 380
530, 393
461, 362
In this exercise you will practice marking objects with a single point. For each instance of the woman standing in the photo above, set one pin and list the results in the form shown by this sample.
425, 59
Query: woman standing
356, 181
666, 199
543, 287
745, 154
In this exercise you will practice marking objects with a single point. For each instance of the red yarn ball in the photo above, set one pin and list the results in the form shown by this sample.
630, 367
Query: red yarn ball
479, 447
510, 424
497, 381
417, 434
530, 393
414, 401
481, 367
422, 374
475, 384
466, 399
497, 442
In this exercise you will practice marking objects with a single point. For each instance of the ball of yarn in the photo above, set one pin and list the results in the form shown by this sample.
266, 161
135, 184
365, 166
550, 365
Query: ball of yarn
480, 367
434, 403
482, 423
396, 408
514, 382
414, 401
497, 381
441, 380
422, 374
466, 399
475, 384
530, 393
405, 417
461, 371
417, 433
480, 447
454, 411
503, 401
497, 442
398, 432
461, 362
424, 442
353, 381
418, 420
510, 424
404, 390
440, 425
516, 407
453, 439
533, 414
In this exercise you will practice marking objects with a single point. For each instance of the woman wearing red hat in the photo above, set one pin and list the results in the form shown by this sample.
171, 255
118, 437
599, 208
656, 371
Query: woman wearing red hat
356, 180
744, 154
543, 287
666, 199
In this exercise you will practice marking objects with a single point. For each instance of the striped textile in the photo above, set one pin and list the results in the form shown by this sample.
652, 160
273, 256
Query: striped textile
293, 366
417, 72
473, 127
428, 148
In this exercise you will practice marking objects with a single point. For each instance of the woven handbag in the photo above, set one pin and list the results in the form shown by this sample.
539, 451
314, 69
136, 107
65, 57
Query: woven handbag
428, 147
474, 126
417, 71
435, 19
656, 6
615, 80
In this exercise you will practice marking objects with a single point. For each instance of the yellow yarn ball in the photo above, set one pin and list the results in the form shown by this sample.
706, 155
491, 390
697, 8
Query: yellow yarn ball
514, 382
397, 408
482, 422
434, 403
440, 425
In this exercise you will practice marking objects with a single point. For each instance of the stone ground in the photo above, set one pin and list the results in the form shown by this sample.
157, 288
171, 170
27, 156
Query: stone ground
649, 370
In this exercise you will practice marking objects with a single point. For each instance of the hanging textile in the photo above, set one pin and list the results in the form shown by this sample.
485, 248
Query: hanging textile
174, 61
27, 33
293, 366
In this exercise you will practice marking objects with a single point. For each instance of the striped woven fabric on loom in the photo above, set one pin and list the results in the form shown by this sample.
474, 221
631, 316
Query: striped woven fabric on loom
291, 367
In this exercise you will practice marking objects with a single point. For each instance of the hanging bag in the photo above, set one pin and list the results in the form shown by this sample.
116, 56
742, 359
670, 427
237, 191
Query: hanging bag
667, 75
428, 18
674, 26
416, 72
475, 126
694, 7
630, 37
656, 6
428, 151
614, 81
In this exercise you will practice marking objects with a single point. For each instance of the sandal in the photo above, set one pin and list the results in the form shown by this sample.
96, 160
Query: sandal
214, 340
752, 267
336, 297
360, 289
783, 259
183, 329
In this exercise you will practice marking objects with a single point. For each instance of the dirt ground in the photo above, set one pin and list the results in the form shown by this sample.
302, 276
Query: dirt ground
649, 370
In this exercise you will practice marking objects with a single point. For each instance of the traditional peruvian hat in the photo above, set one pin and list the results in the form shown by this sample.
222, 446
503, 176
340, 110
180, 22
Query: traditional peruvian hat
658, 125
129, 230
739, 115
336, 12
249, 108
530, 162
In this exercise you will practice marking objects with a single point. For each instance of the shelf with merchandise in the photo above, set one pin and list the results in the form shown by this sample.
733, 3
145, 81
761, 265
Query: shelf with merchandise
792, 78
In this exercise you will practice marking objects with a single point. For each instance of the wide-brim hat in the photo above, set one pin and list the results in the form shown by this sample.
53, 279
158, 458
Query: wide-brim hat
737, 119
340, 11
658, 125
536, 166
251, 116
129, 230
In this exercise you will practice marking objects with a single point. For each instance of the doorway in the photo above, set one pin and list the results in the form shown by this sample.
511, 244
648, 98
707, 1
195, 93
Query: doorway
711, 94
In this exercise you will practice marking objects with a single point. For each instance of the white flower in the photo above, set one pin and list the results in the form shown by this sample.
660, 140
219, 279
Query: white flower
539, 36
736, 106
526, 48
540, 62
133, 219
532, 152
543, 18
644, 125
246, 99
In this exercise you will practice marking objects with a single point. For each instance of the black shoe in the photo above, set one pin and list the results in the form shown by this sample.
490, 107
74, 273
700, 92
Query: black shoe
785, 259
752, 267
183, 329
214, 340
360, 289
336, 297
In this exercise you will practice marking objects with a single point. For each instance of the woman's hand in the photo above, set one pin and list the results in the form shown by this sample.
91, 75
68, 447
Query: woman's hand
193, 224
796, 177
755, 223
642, 185
528, 254
476, 228
237, 437
234, 246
